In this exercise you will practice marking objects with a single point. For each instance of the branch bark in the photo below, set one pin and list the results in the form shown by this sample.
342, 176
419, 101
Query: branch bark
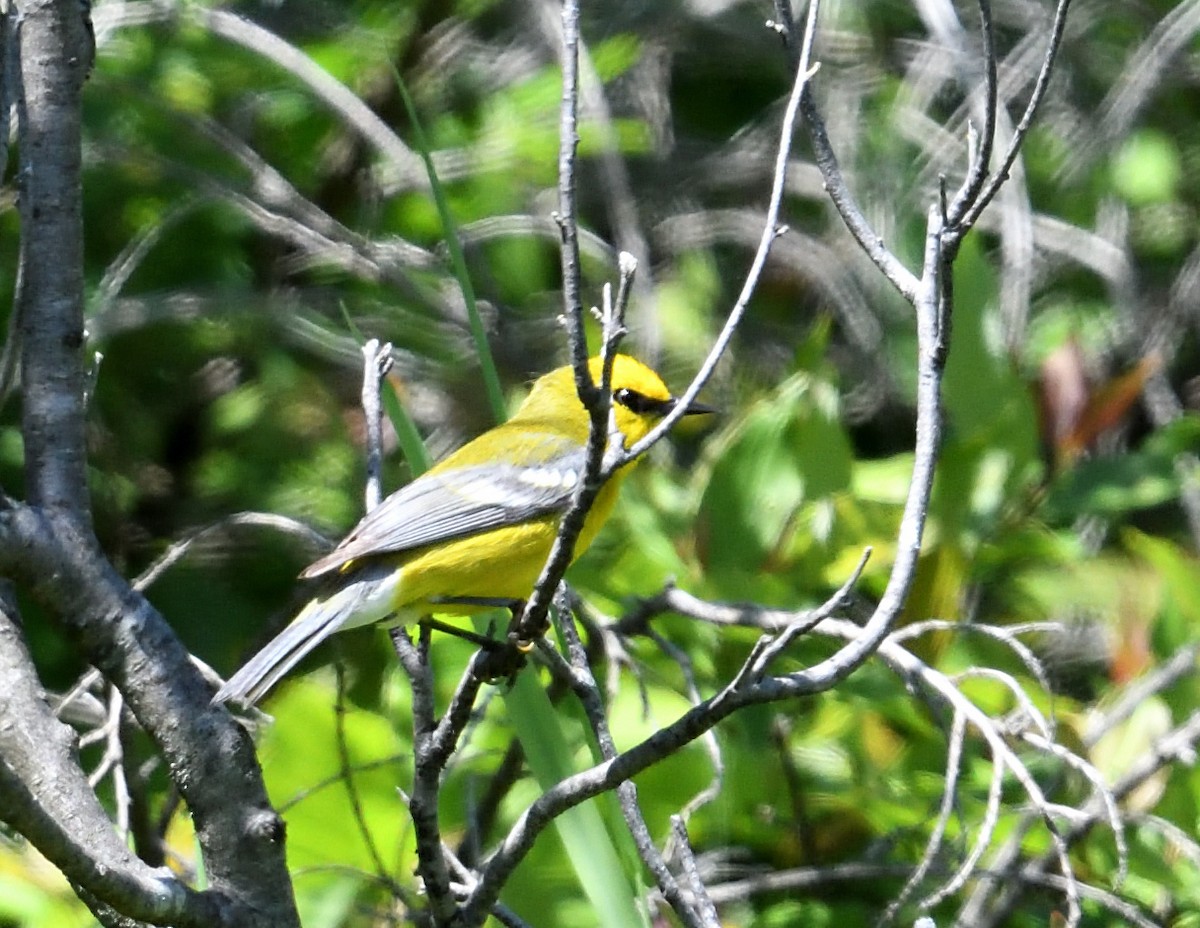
50, 299
45, 796
48, 547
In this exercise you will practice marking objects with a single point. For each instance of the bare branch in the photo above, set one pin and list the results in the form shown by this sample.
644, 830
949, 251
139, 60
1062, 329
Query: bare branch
49, 547
619, 199
835, 183
45, 796
583, 684
687, 859
933, 845
50, 300
771, 231
377, 361
568, 223
1179, 744
1053, 43
981, 157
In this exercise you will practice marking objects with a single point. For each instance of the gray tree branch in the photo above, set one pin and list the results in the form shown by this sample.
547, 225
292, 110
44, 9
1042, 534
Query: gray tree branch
48, 548
45, 795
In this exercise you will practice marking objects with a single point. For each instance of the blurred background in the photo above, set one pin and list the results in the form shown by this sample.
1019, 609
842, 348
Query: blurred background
248, 223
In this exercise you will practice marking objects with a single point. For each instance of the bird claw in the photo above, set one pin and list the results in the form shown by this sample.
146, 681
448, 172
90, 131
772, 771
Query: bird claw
503, 662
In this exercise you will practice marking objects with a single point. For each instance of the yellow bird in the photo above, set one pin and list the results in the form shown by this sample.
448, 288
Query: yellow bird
478, 526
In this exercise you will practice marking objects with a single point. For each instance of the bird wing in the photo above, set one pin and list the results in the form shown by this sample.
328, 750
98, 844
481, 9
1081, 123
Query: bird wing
458, 501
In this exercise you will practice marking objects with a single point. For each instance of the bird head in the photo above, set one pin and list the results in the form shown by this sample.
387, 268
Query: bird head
640, 398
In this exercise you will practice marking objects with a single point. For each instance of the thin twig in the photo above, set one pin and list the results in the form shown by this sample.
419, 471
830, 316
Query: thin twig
568, 225
907, 666
345, 775
771, 231
687, 862
414, 660
713, 748
807, 622
835, 183
1179, 744
596, 398
583, 684
312, 539
981, 157
1057, 28
983, 838
1029, 712
335, 779
427, 766
377, 361
933, 846
1005, 634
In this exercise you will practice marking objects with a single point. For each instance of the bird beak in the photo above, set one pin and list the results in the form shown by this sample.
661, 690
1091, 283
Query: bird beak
699, 409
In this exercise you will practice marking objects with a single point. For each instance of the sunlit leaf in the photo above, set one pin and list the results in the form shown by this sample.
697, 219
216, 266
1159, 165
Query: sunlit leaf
1147, 168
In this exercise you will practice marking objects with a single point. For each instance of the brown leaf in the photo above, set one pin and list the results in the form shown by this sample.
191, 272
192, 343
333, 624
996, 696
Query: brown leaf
1062, 393
1107, 406
1073, 413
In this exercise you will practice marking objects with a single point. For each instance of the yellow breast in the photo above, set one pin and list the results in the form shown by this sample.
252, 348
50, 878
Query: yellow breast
501, 564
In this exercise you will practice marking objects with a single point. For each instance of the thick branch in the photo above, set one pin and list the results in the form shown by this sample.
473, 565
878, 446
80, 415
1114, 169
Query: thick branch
50, 301
49, 547
211, 758
46, 797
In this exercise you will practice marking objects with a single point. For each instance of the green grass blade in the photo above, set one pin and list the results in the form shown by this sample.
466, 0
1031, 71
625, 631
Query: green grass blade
411, 443
491, 378
589, 845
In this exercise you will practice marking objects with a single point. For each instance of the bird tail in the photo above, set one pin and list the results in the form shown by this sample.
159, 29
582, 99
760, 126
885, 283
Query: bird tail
366, 599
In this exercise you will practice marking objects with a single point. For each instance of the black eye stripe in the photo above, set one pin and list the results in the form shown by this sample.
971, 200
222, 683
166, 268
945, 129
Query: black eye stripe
639, 402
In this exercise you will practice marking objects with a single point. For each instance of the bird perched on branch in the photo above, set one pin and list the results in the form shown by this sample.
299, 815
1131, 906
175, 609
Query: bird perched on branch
476, 528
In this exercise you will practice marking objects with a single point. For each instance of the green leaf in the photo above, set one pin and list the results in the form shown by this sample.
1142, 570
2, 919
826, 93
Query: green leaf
411, 442
787, 450
1147, 169
1118, 484
302, 767
593, 853
616, 55
24, 902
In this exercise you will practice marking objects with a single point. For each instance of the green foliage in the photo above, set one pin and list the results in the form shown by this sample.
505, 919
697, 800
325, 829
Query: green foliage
591, 849
781, 453
229, 382
33, 893
322, 821
1116, 486
1147, 169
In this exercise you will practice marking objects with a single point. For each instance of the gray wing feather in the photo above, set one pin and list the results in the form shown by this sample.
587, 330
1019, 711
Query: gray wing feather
465, 501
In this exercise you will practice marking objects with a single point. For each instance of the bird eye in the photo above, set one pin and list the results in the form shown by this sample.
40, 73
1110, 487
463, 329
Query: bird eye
637, 402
